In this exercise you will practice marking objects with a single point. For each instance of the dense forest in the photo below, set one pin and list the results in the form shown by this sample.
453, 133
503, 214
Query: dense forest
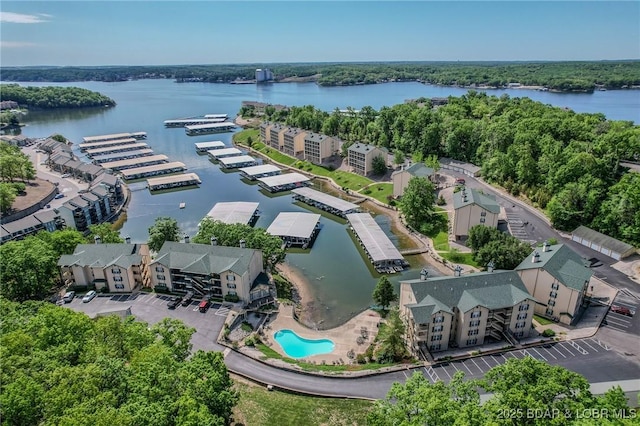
53, 97
59, 367
560, 76
563, 162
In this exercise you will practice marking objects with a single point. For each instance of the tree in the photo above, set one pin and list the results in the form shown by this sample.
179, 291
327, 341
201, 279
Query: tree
106, 233
391, 337
62, 241
398, 157
416, 203
28, 267
7, 196
176, 336
164, 229
58, 137
384, 294
432, 161
379, 165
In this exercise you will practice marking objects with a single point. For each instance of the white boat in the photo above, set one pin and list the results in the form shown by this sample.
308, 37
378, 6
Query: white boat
183, 205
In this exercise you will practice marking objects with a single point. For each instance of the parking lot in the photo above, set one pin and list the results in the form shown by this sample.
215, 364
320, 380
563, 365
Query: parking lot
620, 321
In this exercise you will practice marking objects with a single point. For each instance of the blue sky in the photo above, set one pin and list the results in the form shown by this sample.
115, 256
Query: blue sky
216, 32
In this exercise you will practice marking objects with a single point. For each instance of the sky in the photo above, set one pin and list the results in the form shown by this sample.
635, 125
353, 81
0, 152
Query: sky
137, 32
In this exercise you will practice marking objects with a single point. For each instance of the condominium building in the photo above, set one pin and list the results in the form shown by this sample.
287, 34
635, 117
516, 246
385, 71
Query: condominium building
276, 136
470, 208
45, 220
463, 311
319, 147
214, 270
265, 132
121, 268
361, 157
402, 177
558, 278
294, 142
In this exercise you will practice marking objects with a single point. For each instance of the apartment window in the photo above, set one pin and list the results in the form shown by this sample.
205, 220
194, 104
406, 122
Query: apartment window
473, 341
233, 293
524, 307
519, 334
522, 316
552, 302
553, 294
231, 277
439, 319
435, 347
436, 338
160, 277
483, 214
115, 271
482, 220
474, 323
476, 314
520, 324
555, 286
549, 311
473, 332
118, 279
436, 329
119, 286
159, 269
229, 285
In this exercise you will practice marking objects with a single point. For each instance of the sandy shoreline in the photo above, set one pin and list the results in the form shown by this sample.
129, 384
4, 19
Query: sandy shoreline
300, 282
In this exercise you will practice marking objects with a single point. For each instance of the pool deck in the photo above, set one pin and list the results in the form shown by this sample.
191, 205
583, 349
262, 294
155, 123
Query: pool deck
344, 337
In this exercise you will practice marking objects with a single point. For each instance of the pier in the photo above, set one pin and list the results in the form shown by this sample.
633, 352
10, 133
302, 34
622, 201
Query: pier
98, 159
283, 182
101, 138
103, 144
386, 258
114, 149
203, 147
216, 154
296, 229
136, 162
168, 182
154, 170
237, 162
235, 212
182, 122
203, 129
325, 202
264, 170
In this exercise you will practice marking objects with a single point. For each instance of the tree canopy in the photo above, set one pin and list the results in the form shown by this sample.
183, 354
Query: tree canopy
384, 294
490, 245
14, 164
416, 203
163, 229
61, 367
105, 231
53, 97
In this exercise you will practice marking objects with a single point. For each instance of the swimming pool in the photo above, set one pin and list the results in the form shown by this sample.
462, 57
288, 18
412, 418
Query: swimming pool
298, 347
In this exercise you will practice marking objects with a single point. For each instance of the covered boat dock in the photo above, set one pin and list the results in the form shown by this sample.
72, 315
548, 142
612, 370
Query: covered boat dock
103, 144
206, 146
181, 122
217, 154
238, 161
136, 162
168, 182
203, 129
113, 136
386, 258
283, 182
235, 212
122, 155
114, 149
295, 228
155, 170
325, 202
264, 170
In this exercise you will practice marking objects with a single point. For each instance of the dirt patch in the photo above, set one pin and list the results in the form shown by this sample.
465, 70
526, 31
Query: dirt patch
35, 192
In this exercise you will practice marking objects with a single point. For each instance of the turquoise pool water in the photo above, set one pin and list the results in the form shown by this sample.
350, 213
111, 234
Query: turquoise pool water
298, 347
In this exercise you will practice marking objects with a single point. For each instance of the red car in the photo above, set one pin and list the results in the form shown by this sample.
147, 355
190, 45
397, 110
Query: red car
621, 310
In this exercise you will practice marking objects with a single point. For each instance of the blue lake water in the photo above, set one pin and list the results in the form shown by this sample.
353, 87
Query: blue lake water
299, 347
341, 280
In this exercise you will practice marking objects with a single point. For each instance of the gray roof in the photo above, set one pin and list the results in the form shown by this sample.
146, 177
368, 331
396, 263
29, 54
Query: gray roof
468, 196
261, 169
294, 224
492, 290
317, 137
107, 179
364, 148
100, 191
602, 240
326, 199
240, 159
233, 212
286, 179
102, 255
419, 170
204, 258
562, 263
375, 241
471, 168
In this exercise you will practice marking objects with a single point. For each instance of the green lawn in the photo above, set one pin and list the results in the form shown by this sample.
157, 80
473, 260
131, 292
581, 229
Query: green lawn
259, 407
542, 320
243, 135
464, 258
441, 241
380, 191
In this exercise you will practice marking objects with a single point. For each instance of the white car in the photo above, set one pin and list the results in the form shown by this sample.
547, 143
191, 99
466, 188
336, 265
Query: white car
66, 175
89, 296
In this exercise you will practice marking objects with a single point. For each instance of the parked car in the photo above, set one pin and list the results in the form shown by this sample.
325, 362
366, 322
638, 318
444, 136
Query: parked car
460, 181
58, 196
89, 296
187, 298
174, 302
66, 175
204, 306
622, 310
69, 296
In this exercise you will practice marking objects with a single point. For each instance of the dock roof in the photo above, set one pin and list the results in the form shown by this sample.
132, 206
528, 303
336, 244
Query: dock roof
233, 212
259, 170
294, 224
211, 126
326, 199
110, 142
216, 153
376, 242
240, 159
136, 153
173, 179
156, 167
210, 145
117, 148
133, 161
285, 179
105, 137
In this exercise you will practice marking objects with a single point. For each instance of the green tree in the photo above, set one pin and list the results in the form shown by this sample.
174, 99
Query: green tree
29, 268
398, 157
176, 336
432, 161
58, 137
106, 233
392, 346
379, 165
416, 203
163, 229
62, 241
384, 294
8, 194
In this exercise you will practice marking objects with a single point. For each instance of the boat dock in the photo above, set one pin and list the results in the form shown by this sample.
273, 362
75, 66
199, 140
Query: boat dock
154, 170
206, 146
225, 116
242, 212
325, 202
217, 154
101, 138
98, 159
136, 162
236, 162
386, 258
182, 122
203, 129
283, 182
114, 149
103, 144
168, 182
264, 170
296, 229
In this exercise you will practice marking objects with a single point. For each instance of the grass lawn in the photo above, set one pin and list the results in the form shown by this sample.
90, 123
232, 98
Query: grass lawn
260, 407
345, 179
243, 135
380, 191
441, 241
464, 258
542, 320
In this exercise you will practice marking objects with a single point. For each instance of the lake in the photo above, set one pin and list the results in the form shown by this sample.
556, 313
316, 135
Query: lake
341, 280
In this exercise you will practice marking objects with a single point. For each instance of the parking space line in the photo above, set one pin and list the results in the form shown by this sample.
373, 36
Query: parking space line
465, 366
618, 317
615, 322
564, 345
446, 372
405, 374
476, 364
503, 357
454, 367
584, 342
549, 352
577, 347
601, 344
539, 354
556, 349
485, 361
627, 304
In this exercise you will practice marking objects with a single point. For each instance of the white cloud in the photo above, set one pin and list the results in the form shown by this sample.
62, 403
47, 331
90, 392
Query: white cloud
20, 18
15, 44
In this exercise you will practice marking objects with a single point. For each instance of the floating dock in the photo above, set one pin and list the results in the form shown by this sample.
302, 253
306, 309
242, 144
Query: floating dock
154, 170
386, 258
168, 182
103, 144
225, 116
264, 170
296, 229
236, 162
325, 202
283, 182
182, 122
203, 129
98, 159
235, 212
114, 149
206, 146
101, 138
217, 154
136, 162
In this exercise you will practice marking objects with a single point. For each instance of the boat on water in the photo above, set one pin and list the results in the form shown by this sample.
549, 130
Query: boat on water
183, 205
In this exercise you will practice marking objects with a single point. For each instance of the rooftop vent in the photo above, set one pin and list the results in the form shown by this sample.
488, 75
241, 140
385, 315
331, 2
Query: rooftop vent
186, 239
536, 257
546, 246
214, 240
243, 244
457, 271
97, 239
127, 239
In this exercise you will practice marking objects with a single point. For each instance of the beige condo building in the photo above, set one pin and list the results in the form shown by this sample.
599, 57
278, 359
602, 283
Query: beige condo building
319, 147
361, 157
276, 136
294, 142
470, 208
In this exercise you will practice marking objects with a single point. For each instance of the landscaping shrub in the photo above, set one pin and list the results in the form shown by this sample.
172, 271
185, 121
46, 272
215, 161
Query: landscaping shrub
548, 333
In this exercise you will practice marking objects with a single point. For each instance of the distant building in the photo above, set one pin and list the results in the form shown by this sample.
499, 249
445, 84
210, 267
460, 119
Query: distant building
602, 243
263, 75
46, 220
121, 268
319, 147
402, 177
294, 142
464, 311
265, 132
459, 166
361, 157
470, 208
558, 278
276, 136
